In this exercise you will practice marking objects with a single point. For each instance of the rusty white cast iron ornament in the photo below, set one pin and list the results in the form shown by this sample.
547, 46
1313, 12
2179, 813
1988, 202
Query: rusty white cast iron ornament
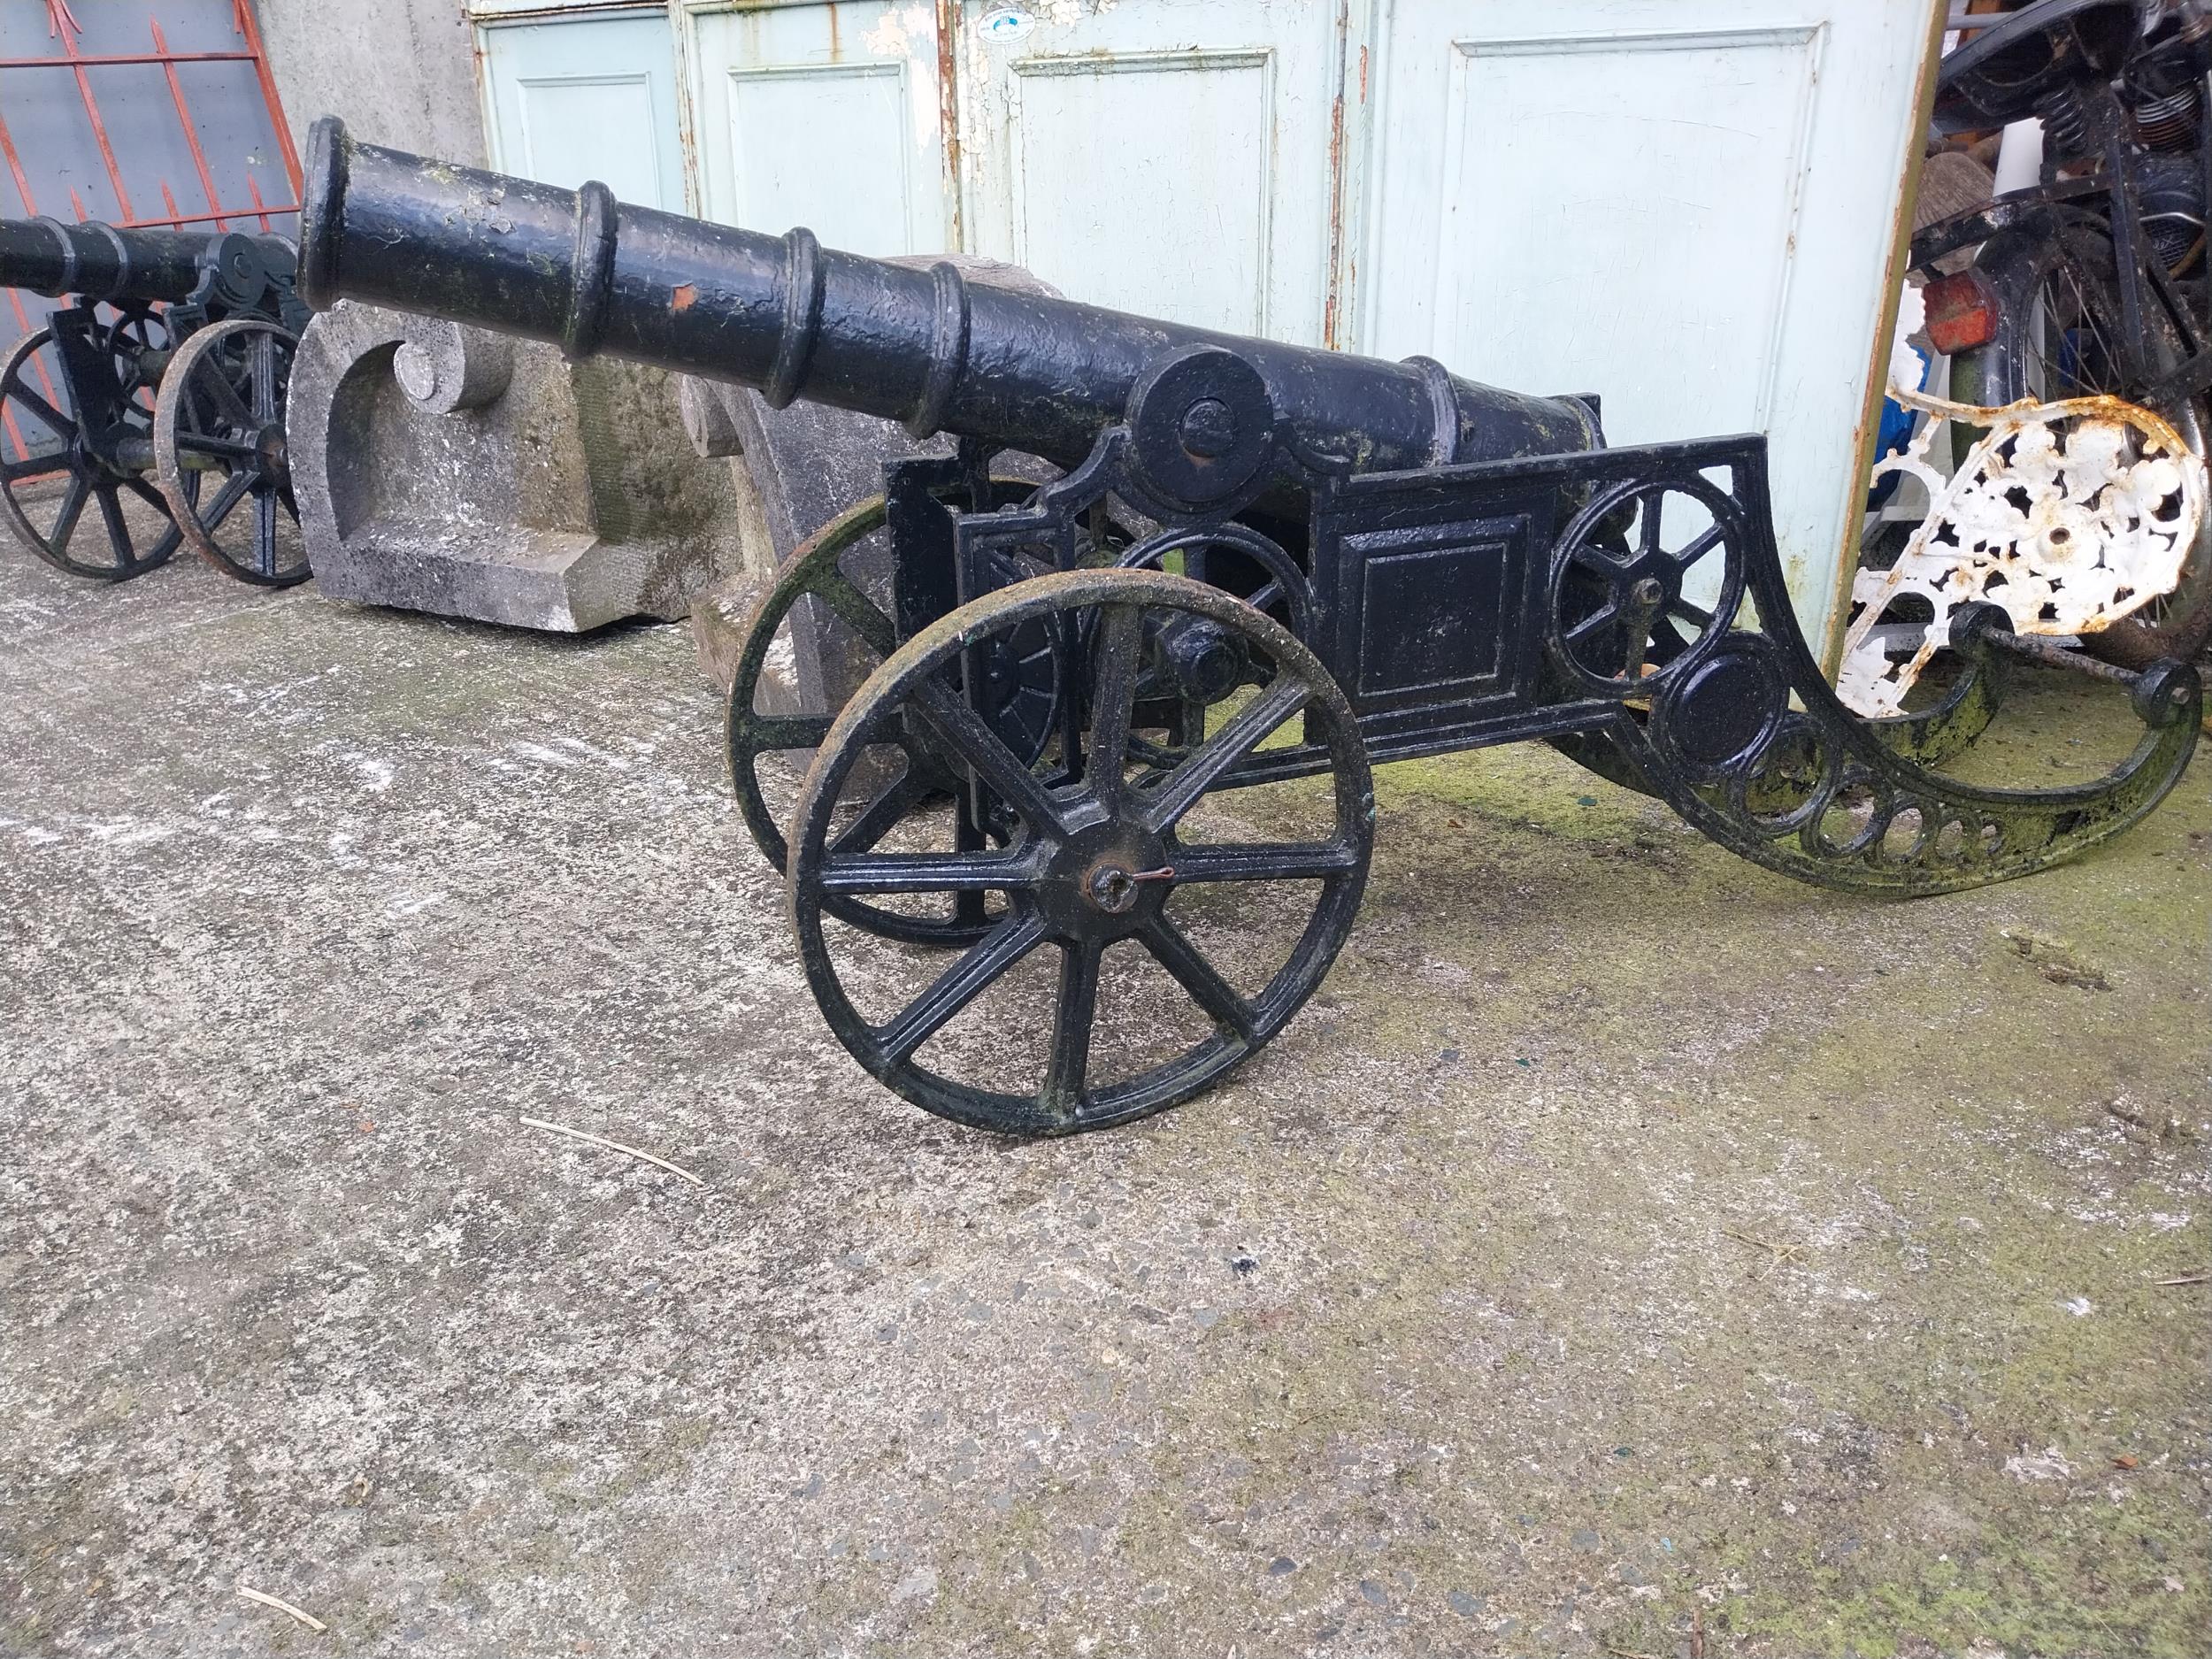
2068, 515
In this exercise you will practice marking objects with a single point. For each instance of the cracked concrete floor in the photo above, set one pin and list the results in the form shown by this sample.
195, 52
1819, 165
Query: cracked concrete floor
1630, 1252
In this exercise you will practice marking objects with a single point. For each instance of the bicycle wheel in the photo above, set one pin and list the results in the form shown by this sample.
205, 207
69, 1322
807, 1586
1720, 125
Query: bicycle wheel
2059, 335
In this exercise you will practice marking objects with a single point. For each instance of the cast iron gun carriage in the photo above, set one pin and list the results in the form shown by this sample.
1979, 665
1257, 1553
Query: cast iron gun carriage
169, 367
1263, 565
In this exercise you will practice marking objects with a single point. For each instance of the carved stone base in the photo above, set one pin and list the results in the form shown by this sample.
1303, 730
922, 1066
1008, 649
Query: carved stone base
451, 471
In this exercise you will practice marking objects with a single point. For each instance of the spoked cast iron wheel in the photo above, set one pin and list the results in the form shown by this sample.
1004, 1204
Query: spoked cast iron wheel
222, 413
1092, 863
53, 524
1026, 686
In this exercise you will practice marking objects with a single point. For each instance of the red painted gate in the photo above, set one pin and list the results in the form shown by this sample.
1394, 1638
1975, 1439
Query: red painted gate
140, 112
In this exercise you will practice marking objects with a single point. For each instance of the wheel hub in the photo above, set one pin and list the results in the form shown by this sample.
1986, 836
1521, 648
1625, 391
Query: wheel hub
1104, 882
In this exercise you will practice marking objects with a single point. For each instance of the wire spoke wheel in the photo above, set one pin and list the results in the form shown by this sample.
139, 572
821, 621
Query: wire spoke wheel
1154, 930
220, 451
60, 500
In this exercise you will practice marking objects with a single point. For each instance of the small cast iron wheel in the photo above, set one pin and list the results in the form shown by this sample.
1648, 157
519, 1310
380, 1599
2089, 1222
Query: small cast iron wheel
48, 522
1025, 694
138, 342
221, 414
1284, 592
1621, 622
1090, 863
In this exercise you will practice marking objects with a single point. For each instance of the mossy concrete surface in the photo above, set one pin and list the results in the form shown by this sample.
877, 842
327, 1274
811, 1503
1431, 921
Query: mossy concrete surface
1628, 1253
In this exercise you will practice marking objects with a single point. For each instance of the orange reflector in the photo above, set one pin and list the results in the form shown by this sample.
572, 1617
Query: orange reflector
1961, 312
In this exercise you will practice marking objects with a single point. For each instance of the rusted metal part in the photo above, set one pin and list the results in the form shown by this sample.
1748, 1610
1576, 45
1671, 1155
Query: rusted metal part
948, 27
2068, 515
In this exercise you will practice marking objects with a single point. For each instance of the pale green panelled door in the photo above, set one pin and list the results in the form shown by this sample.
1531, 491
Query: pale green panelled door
826, 116
1172, 159
1687, 206
587, 99
1175, 160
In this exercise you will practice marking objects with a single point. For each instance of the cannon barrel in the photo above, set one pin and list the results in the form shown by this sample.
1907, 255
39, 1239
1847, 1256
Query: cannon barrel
101, 262
794, 320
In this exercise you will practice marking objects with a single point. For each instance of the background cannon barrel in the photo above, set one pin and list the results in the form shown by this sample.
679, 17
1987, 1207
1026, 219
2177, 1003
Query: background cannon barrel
795, 319
101, 262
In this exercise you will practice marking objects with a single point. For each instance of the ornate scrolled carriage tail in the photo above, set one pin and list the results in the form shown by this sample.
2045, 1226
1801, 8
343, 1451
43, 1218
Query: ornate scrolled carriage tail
1739, 730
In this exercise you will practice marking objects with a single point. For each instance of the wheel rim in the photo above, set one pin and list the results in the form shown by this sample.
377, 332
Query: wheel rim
1624, 619
1090, 865
927, 781
221, 413
62, 531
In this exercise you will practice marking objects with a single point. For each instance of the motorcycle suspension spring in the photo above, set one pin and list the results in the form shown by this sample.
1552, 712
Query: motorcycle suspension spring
2170, 124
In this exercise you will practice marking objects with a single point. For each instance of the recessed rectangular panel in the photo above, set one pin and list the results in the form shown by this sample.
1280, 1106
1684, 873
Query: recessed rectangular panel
1625, 207
1142, 181
824, 147
576, 127
1437, 607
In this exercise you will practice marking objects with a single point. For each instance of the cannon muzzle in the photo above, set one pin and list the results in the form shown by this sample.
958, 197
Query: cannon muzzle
100, 262
795, 319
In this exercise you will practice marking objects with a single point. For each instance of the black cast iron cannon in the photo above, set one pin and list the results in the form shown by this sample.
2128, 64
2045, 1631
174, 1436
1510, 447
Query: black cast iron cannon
1104, 703
167, 367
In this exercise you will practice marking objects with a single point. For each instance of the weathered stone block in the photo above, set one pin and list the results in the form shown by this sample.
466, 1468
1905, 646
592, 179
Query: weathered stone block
448, 470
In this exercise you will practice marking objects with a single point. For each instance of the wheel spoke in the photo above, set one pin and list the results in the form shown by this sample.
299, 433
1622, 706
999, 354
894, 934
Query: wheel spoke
231, 449
1172, 948
1704, 542
1113, 699
1074, 1015
59, 424
1689, 612
229, 405
1604, 615
1247, 731
957, 986
857, 611
264, 379
1653, 499
233, 491
148, 494
31, 466
265, 532
757, 733
72, 508
1281, 861
119, 531
881, 817
985, 750
929, 873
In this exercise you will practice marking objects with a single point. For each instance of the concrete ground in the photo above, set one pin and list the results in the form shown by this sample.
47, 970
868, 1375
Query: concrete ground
1629, 1253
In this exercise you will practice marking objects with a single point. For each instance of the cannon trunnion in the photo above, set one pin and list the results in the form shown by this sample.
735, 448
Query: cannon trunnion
160, 383
1103, 702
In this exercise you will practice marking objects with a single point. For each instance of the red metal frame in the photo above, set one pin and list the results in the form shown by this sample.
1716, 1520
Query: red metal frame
62, 25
